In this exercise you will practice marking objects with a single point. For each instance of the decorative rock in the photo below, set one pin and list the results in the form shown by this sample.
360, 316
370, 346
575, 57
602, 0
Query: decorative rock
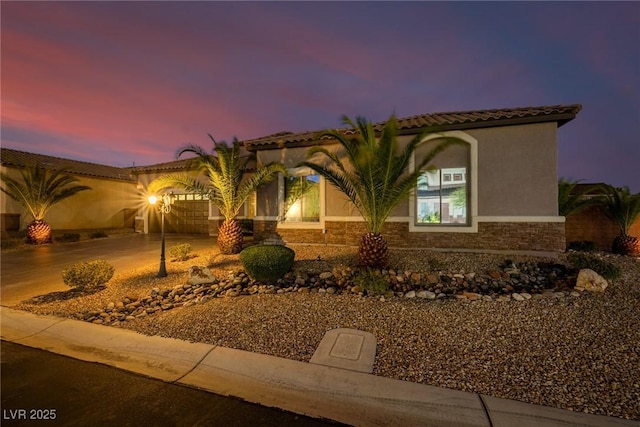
326, 275
525, 295
356, 289
426, 295
410, 294
516, 296
494, 274
200, 275
471, 296
231, 293
589, 280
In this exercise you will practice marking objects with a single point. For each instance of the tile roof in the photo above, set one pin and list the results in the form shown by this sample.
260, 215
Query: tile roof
174, 165
10, 157
439, 121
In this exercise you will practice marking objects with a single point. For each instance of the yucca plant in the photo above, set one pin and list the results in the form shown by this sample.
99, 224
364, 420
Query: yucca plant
623, 208
38, 191
230, 183
374, 174
570, 201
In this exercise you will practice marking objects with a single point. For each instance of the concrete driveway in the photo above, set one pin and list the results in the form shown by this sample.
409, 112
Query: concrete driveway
37, 270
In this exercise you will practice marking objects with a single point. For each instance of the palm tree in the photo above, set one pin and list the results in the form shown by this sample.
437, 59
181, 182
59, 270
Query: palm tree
570, 201
38, 192
229, 185
374, 176
623, 208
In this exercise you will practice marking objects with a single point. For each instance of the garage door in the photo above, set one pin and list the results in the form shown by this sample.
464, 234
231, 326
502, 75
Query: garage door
189, 215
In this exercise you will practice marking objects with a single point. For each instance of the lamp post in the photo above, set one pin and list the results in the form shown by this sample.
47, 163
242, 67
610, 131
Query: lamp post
164, 205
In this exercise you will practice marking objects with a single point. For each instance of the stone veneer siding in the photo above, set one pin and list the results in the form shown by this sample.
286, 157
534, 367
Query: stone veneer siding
520, 236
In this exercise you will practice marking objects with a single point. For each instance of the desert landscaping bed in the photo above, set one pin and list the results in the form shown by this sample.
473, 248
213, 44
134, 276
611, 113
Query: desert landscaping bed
557, 347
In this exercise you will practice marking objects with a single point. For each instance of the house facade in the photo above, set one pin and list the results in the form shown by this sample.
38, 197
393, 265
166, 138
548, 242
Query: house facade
111, 203
495, 191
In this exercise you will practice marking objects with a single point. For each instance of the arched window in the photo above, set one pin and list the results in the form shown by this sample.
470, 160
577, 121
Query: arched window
445, 198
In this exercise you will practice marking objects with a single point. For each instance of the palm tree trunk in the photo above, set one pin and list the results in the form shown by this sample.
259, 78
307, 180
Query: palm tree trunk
374, 252
38, 232
230, 237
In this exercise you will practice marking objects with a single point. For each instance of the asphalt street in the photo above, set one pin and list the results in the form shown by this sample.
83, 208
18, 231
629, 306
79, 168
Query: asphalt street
42, 388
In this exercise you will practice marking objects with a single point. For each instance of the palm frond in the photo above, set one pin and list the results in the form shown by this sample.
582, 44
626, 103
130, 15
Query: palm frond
40, 189
622, 207
570, 201
225, 169
374, 173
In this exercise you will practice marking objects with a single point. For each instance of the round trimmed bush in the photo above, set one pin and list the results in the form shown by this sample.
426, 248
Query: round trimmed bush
267, 263
88, 274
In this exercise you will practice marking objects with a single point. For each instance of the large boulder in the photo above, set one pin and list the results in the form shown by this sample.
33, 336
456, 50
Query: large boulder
589, 280
200, 276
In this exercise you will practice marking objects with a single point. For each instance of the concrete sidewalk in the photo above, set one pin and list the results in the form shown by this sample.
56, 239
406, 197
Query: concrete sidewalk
346, 396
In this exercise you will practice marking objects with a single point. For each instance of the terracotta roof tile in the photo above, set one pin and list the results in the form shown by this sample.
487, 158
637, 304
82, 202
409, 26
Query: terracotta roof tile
440, 121
10, 157
181, 164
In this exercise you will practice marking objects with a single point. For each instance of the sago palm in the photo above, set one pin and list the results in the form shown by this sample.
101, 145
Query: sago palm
374, 174
230, 183
570, 201
623, 208
38, 191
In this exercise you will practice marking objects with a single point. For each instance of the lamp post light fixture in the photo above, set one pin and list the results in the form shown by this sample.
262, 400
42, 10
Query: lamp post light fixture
164, 206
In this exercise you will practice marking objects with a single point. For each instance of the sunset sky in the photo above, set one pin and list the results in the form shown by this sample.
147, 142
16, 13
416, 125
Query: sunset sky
123, 82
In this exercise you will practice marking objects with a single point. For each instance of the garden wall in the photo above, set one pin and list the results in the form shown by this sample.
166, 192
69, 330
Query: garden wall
592, 224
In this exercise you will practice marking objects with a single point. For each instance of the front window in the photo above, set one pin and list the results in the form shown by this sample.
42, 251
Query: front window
301, 198
442, 201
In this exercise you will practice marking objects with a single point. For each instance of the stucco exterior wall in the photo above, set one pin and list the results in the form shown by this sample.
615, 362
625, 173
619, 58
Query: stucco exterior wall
516, 173
517, 170
514, 167
109, 204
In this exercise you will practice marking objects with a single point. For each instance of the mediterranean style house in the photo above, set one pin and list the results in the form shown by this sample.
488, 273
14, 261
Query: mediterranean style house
495, 191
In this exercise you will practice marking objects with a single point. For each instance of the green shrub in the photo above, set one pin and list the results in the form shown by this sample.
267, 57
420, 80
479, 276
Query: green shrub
68, 237
583, 246
604, 268
372, 281
88, 274
180, 251
97, 235
267, 263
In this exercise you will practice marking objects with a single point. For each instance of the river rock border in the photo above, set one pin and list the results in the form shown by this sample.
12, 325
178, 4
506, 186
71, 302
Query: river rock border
523, 282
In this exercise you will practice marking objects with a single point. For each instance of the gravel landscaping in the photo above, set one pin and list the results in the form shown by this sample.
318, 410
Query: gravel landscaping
469, 324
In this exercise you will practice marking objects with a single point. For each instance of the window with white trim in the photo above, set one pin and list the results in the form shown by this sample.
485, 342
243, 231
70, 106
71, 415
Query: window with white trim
442, 192
300, 197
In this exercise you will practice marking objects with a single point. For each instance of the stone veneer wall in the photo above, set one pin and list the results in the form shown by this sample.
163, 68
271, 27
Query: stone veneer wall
521, 236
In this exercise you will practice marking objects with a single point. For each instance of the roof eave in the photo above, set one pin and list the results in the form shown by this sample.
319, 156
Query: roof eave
559, 118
